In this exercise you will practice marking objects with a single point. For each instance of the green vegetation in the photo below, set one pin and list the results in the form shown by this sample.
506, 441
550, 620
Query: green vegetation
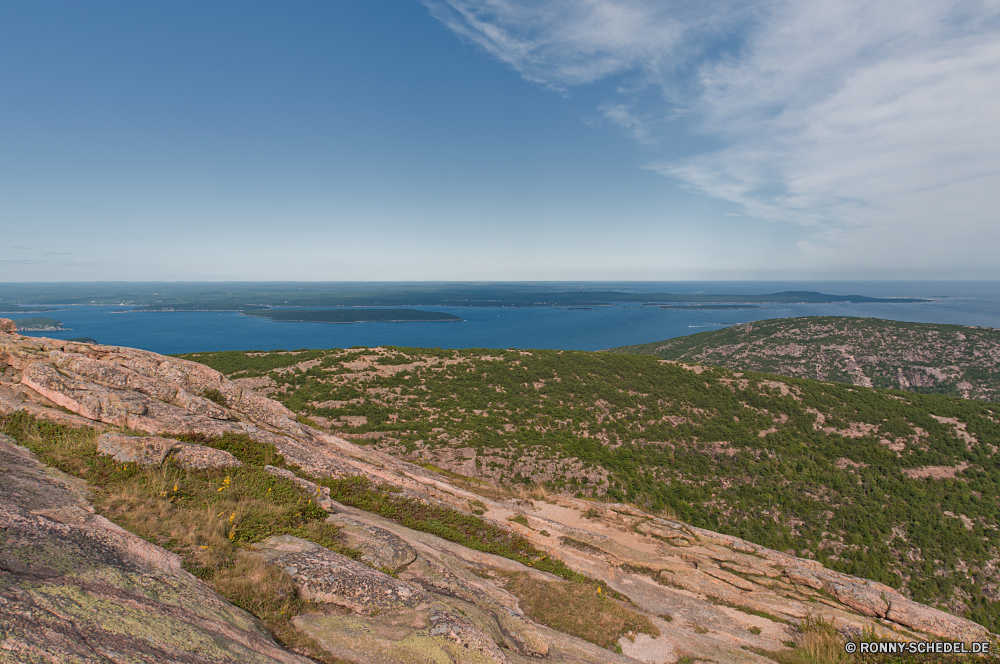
29, 324
208, 517
919, 357
581, 610
352, 315
746, 609
879, 484
215, 396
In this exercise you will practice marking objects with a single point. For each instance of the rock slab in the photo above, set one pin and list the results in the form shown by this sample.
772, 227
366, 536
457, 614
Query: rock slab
74, 587
330, 578
154, 450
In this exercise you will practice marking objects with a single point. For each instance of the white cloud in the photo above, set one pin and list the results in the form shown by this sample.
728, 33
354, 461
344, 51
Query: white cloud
874, 122
571, 42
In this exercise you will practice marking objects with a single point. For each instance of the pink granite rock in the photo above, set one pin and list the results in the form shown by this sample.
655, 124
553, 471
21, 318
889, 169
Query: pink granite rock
145, 451
75, 587
199, 456
7, 325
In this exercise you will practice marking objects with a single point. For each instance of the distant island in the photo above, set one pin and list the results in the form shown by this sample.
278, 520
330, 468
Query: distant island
260, 296
353, 315
38, 325
17, 309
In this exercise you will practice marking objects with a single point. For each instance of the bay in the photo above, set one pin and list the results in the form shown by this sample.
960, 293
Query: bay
568, 328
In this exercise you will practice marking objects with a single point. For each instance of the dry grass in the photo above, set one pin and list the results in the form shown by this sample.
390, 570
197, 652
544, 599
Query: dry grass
819, 643
207, 517
534, 491
580, 609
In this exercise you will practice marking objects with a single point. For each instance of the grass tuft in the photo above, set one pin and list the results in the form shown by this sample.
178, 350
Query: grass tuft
580, 609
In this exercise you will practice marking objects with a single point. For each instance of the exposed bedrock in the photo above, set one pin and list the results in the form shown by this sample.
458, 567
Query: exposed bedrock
412, 596
154, 450
74, 587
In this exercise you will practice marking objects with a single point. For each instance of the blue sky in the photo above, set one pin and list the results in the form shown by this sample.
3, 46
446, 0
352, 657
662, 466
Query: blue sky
499, 139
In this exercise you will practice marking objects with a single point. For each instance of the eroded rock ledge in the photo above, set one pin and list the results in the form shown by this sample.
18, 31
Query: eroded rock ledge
418, 598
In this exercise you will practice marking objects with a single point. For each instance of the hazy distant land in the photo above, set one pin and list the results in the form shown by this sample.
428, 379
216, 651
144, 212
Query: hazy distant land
250, 296
15, 309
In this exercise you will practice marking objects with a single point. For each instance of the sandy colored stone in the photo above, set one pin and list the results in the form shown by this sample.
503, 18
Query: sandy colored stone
8, 326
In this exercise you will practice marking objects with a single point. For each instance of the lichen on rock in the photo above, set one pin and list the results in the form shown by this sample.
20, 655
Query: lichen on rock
76, 588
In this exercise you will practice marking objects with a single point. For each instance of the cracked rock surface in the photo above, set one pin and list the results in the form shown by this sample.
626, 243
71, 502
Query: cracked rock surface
76, 588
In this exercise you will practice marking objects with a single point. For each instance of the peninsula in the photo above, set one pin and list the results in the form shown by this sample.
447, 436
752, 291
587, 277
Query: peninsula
38, 325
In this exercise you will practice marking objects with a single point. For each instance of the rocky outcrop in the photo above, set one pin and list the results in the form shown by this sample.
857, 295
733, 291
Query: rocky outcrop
7, 325
76, 588
154, 450
379, 547
864, 351
330, 578
412, 596
187, 455
145, 451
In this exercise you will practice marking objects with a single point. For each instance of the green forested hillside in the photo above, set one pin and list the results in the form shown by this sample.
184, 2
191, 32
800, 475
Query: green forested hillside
899, 487
920, 357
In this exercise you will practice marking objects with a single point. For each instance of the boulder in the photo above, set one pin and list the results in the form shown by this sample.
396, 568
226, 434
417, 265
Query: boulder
8, 326
146, 451
199, 457
153, 450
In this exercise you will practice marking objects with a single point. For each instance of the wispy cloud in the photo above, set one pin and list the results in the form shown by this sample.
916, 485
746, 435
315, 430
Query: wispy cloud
865, 120
570, 42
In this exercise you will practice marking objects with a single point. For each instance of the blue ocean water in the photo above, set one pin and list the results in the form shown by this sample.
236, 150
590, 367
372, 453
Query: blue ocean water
964, 303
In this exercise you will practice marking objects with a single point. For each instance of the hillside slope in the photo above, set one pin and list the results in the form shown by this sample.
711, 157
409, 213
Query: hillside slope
896, 487
395, 562
919, 357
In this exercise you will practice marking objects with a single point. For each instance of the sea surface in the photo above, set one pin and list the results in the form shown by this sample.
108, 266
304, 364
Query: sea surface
963, 303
